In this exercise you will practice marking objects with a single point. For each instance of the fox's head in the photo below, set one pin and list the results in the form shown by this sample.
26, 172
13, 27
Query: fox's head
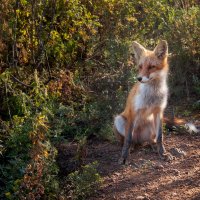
152, 65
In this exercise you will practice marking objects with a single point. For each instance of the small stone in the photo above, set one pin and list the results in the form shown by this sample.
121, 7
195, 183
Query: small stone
176, 172
143, 197
117, 174
140, 197
146, 197
133, 183
158, 166
102, 195
178, 152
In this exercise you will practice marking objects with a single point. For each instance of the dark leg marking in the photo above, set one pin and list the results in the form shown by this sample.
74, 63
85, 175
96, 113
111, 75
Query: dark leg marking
160, 147
160, 135
126, 146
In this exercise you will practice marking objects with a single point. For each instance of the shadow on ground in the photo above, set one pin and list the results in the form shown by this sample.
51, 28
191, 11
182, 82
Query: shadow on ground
147, 177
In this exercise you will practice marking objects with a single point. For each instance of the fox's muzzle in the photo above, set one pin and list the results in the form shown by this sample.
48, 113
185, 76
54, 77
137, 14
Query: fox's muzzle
139, 78
143, 79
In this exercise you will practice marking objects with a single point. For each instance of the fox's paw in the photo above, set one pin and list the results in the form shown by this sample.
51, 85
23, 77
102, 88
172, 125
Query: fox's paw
123, 161
167, 157
153, 148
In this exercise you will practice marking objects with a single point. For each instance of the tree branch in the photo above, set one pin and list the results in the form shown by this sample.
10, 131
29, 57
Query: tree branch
18, 81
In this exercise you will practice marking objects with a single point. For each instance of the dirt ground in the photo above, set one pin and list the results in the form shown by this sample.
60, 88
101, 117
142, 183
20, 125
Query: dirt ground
147, 176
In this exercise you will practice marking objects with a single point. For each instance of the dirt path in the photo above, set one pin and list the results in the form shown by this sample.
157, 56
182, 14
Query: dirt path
148, 177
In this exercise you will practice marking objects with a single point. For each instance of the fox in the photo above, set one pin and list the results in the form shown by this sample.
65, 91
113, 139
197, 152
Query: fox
141, 120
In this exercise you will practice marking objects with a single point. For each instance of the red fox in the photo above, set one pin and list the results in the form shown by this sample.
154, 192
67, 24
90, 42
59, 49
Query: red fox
141, 120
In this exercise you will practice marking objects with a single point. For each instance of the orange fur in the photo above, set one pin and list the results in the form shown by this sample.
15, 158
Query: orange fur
142, 116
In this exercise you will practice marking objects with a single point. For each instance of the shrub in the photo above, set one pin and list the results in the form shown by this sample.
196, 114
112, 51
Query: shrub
66, 68
84, 182
30, 169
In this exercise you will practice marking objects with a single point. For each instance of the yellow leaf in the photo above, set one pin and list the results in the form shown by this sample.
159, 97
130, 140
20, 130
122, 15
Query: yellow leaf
46, 154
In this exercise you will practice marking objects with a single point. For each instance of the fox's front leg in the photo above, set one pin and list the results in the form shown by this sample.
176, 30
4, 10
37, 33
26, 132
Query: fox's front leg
126, 145
159, 140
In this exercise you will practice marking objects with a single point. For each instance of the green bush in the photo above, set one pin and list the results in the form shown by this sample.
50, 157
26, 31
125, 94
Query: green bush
184, 45
66, 69
84, 182
30, 168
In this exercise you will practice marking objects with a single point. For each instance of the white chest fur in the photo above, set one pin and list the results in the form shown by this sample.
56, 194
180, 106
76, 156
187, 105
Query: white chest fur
151, 95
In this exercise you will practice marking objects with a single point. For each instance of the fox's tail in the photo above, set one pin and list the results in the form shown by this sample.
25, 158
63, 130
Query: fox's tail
119, 128
180, 125
172, 123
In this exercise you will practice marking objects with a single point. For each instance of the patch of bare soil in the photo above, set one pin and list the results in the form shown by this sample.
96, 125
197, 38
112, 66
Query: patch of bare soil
147, 176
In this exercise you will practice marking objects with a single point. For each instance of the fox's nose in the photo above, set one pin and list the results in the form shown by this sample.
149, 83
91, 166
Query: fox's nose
139, 78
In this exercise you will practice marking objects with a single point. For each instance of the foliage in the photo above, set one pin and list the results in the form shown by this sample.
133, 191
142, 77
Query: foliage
66, 68
29, 168
186, 49
84, 182
40, 174
196, 105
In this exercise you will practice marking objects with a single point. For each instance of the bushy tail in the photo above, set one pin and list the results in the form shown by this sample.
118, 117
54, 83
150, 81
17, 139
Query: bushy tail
180, 125
173, 123
119, 128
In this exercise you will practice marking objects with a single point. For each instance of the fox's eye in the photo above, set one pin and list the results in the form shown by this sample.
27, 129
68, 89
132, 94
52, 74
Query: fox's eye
151, 66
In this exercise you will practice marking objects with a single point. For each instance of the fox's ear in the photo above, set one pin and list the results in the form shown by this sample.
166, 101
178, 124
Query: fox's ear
138, 50
161, 50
